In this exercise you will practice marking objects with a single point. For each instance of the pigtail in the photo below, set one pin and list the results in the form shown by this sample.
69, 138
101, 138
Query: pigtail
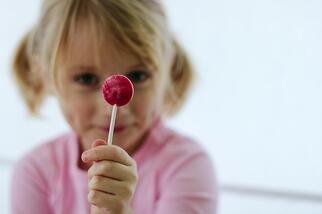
29, 83
182, 75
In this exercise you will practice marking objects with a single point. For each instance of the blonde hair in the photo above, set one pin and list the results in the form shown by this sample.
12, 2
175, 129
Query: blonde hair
139, 26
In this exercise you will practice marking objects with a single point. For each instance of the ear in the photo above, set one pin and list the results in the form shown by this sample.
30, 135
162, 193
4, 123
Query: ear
36, 75
42, 77
169, 95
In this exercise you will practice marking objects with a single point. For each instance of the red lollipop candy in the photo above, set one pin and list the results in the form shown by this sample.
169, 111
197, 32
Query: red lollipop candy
118, 91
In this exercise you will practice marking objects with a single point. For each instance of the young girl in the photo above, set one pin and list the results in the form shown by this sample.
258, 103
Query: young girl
149, 169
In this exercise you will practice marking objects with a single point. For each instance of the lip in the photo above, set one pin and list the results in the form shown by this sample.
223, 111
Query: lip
117, 129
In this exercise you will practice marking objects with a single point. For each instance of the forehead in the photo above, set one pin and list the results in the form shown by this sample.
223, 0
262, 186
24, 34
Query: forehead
87, 44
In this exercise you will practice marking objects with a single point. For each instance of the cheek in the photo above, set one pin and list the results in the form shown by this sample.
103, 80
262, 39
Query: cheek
148, 104
77, 113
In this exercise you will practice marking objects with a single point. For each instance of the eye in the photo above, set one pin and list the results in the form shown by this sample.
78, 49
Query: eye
86, 79
138, 76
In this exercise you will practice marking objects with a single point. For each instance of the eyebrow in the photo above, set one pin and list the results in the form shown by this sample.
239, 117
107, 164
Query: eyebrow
139, 65
94, 68
80, 67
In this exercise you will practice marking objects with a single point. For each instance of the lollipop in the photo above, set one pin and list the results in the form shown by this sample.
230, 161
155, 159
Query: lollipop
117, 91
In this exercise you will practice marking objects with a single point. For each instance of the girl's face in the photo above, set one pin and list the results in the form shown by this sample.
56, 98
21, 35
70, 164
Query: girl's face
79, 80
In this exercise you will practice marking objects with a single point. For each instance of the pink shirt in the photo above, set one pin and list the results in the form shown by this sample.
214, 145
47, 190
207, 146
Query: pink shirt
175, 176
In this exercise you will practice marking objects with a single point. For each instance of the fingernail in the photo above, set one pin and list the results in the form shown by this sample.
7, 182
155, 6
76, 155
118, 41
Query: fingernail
85, 156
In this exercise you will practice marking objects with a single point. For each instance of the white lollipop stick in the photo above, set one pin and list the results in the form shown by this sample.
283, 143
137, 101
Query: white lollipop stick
112, 123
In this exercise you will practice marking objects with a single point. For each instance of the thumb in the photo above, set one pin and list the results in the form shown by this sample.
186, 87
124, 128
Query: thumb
98, 142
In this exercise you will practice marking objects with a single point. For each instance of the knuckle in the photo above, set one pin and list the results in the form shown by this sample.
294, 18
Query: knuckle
127, 191
134, 177
134, 165
115, 152
90, 172
95, 182
107, 166
93, 197
96, 152
135, 180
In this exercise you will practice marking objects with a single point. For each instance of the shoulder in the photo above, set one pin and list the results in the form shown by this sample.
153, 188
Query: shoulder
180, 153
180, 146
187, 172
33, 174
43, 158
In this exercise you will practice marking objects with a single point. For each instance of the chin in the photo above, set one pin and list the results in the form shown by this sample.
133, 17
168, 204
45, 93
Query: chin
120, 142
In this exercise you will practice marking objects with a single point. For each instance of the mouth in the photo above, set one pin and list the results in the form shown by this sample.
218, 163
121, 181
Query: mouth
117, 129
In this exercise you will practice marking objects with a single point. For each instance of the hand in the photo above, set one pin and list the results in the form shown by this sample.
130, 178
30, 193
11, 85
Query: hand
112, 178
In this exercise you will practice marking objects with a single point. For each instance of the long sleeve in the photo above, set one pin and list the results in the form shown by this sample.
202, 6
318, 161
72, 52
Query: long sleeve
189, 187
28, 189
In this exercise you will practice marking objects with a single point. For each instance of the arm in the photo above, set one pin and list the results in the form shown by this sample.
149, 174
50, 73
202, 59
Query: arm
28, 189
189, 188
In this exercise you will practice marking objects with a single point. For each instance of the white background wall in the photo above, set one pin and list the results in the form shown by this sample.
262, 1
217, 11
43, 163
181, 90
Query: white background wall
256, 107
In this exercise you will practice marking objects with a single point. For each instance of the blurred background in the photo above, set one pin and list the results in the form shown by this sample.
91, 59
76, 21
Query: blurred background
256, 106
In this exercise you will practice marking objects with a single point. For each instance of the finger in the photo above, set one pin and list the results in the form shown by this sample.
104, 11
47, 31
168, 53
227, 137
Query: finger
113, 170
104, 200
107, 152
97, 210
98, 142
110, 186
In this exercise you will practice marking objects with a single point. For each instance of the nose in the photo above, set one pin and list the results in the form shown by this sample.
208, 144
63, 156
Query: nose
104, 109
